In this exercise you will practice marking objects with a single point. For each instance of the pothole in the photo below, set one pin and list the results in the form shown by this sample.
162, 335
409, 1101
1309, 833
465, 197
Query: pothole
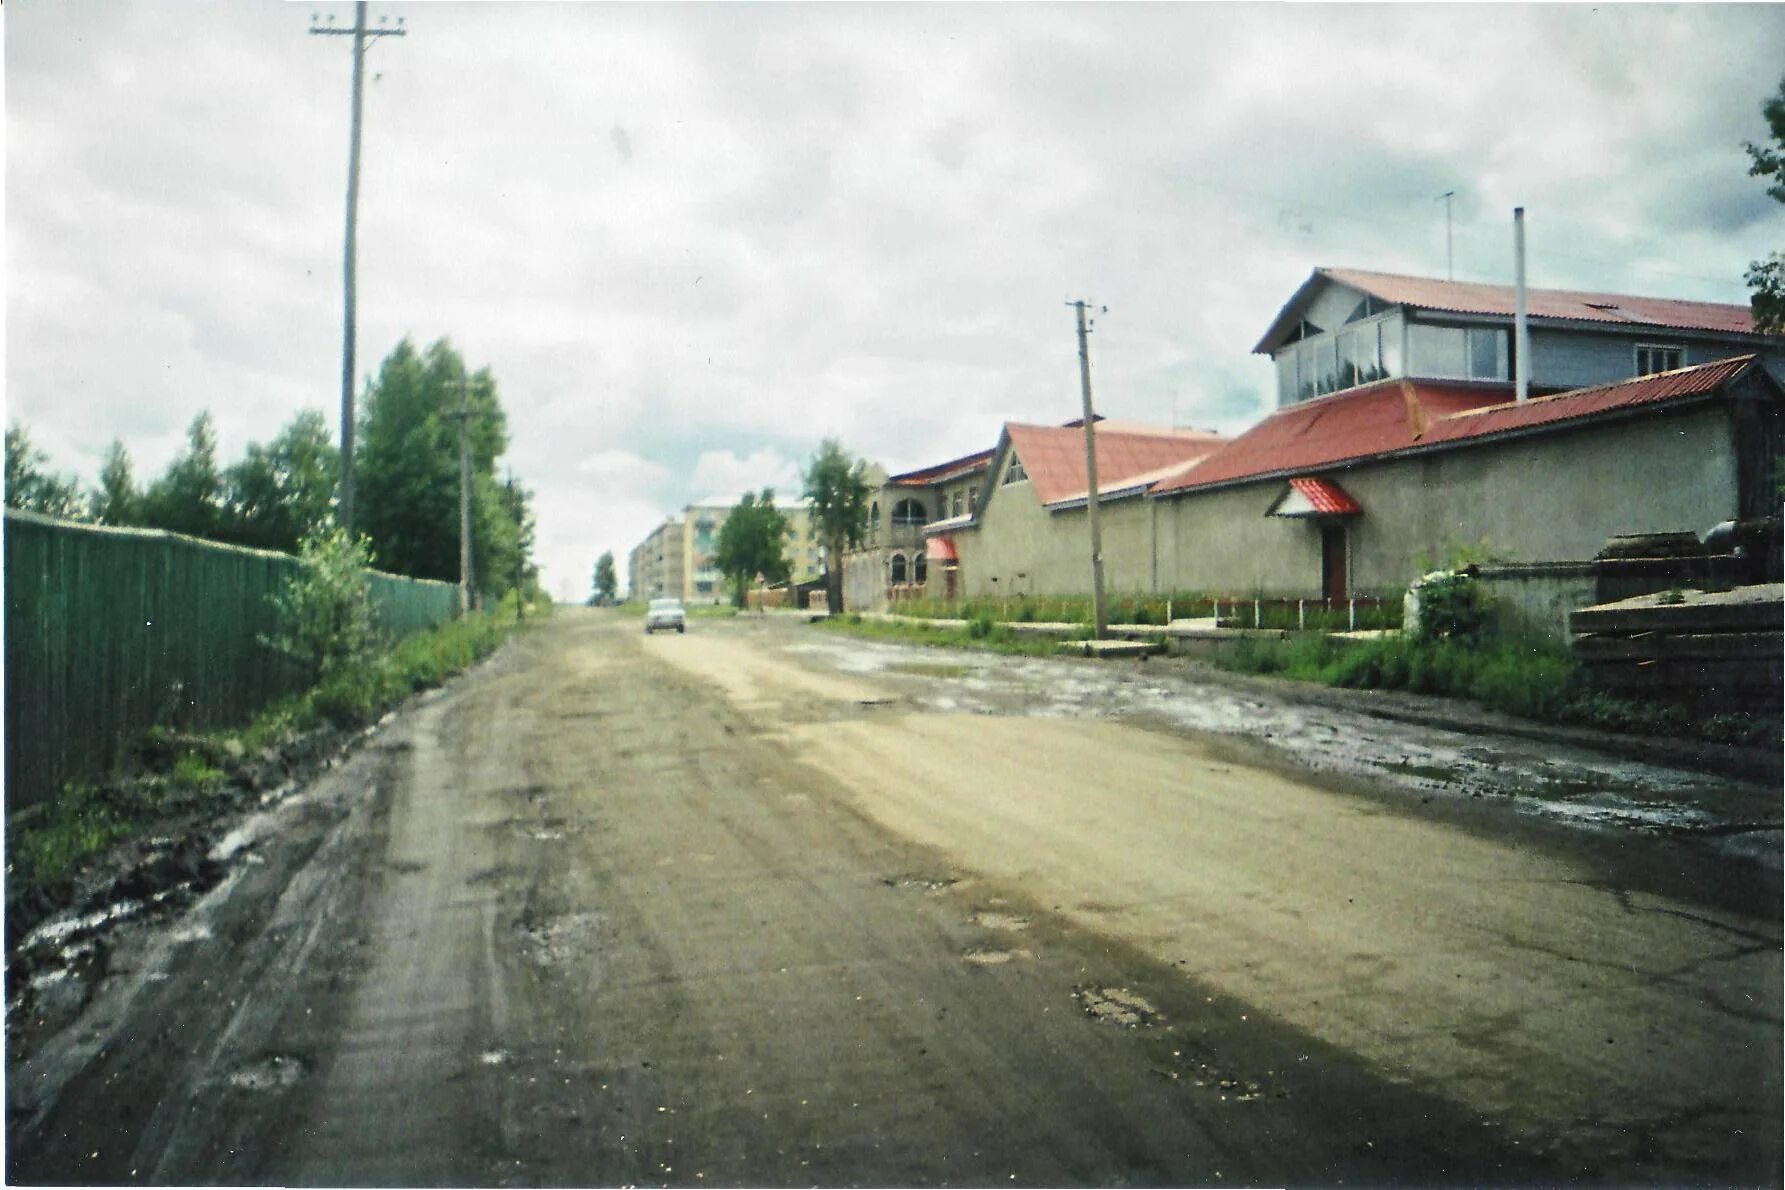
272, 1073
1118, 1006
992, 919
552, 941
915, 883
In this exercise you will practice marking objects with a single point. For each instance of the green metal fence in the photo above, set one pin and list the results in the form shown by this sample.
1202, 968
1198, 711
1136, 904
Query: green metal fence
112, 631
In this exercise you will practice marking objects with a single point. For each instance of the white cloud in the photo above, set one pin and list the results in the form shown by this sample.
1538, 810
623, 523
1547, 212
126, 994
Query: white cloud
722, 476
690, 241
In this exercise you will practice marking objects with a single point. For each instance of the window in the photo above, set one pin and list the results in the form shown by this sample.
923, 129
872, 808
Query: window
874, 516
898, 569
920, 570
957, 505
1015, 473
972, 501
1457, 353
1657, 357
908, 514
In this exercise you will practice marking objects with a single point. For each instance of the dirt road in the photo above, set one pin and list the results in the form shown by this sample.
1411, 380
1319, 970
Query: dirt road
756, 905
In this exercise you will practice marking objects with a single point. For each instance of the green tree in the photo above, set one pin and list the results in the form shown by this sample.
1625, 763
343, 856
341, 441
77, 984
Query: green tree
116, 501
1767, 277
606, 583
837, 486
751, 543
280, 493
406, 478
188, 497
30, 487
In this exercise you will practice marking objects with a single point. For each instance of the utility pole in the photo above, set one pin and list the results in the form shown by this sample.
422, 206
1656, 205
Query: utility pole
520, 553
464, 497
1450, 272
1100, 621
361, 36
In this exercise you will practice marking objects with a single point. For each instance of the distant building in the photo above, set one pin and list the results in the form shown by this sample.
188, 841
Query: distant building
891, 562
679, 558
655, 568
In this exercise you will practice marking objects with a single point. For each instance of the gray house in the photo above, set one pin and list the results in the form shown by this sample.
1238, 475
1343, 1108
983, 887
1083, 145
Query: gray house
1344, 328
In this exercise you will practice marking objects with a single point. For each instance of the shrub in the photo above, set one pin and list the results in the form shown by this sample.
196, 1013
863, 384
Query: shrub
325, 611
1452, 605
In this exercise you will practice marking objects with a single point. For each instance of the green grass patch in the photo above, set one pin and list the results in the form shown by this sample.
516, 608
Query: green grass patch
1528, 677
1159, 610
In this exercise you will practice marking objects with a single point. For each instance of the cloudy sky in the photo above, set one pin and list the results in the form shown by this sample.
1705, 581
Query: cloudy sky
691, 241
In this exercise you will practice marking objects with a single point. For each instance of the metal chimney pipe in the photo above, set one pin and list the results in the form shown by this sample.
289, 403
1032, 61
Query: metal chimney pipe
1521, 333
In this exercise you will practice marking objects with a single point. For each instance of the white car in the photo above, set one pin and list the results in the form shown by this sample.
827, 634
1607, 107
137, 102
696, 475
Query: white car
665, 613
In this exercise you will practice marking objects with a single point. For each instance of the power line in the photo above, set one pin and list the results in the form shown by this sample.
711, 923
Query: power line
362, 37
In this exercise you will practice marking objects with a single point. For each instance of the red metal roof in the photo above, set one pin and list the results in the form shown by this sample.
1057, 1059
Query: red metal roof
1325, 497
1356, 424
941, 549
1468, 297
927, 475
1589, 402
1395, 416
1054, 456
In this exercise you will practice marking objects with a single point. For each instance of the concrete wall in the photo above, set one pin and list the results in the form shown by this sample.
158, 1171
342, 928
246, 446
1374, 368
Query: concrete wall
1540, 595
1549, 498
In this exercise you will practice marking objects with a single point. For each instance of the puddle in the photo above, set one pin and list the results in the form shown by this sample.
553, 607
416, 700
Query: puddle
493, 1058
1570, 785
929, 669
1118, 1006
993, 920
992, 958
274, 1072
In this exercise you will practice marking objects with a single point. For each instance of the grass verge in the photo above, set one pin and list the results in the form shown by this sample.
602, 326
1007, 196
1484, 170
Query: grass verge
980, 632
1529, 677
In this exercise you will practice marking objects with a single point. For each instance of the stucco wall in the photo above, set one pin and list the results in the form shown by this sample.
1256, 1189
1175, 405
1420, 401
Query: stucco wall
1020, 548
1549, 498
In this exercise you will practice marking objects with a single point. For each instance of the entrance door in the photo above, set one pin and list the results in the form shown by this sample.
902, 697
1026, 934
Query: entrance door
1334, 582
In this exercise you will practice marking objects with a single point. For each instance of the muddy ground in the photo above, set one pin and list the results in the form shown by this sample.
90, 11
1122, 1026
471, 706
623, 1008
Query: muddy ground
763, 905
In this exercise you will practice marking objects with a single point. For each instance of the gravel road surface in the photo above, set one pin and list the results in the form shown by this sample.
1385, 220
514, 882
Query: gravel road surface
763, 905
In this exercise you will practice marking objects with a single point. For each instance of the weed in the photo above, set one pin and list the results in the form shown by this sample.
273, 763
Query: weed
192, 772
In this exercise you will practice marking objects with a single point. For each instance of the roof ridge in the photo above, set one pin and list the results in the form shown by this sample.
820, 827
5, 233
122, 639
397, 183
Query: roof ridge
1575, 393
1546, 289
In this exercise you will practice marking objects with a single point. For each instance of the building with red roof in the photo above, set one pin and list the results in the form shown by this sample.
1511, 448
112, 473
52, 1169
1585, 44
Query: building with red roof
1027, 531
1356, 492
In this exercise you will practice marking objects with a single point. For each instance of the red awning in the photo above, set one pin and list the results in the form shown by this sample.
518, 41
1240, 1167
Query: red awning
1309, 496
941, 549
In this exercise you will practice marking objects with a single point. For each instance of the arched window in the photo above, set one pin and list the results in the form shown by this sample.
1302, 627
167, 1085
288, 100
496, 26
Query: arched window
898, 569
874, 515
920, 569
908, 514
